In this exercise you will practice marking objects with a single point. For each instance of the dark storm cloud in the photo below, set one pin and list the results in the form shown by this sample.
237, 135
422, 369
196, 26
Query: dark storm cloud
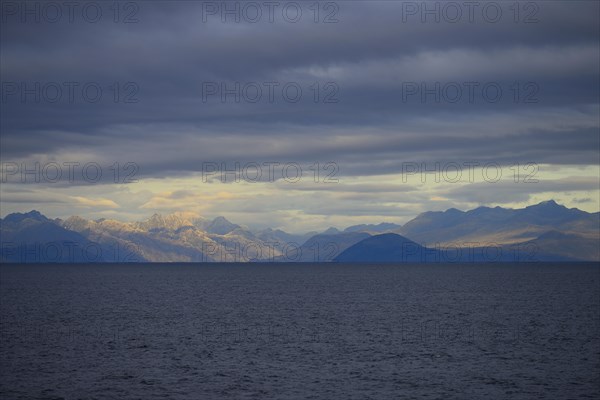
370, 55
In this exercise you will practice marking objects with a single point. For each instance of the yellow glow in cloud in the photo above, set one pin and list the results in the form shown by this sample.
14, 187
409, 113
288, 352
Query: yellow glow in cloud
166, 200
87, 202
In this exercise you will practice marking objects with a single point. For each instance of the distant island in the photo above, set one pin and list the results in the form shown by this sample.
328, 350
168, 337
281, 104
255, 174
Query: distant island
544, 232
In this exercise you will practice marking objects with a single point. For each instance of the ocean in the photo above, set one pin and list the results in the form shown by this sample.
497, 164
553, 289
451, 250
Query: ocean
300, 331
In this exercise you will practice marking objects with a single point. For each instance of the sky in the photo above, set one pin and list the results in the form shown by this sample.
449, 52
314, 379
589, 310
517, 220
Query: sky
297, 115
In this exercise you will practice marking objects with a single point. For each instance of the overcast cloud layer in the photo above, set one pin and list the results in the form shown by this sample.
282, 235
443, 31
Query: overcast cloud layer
371, 65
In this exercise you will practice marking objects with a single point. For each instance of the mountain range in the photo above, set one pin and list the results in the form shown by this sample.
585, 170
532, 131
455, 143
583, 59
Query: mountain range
543, 232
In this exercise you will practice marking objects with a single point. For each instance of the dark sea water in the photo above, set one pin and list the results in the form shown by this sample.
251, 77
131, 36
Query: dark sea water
329, 331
